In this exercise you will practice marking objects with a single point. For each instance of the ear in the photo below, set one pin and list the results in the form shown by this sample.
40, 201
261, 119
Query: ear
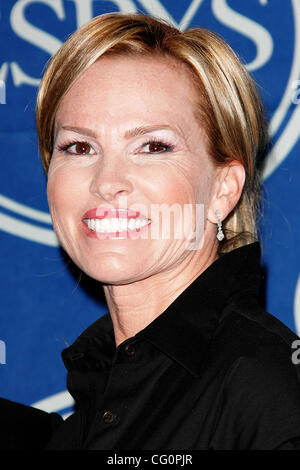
230, 180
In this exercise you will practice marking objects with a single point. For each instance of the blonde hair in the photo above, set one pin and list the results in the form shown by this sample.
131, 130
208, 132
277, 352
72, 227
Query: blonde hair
229, 106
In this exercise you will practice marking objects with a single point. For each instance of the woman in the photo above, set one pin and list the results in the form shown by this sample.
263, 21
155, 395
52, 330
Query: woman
150, 139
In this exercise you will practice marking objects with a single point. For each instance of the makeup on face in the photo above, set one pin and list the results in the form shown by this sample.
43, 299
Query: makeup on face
126, 141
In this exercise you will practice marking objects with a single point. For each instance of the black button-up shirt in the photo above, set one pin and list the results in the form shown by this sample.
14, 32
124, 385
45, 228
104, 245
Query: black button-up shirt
213, 371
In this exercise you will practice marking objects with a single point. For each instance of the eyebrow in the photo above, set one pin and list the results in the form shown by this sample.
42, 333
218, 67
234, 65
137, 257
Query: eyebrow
142, 130
129, 134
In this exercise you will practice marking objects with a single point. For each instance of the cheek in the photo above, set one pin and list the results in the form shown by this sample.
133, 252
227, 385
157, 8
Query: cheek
58, 205
176, 194
187, 179
63, 201
193, 190
57, 192
65, 188
166, 183
181, 187
64, 204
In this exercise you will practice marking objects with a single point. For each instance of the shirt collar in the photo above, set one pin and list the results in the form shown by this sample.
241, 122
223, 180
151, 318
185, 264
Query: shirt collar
184, 330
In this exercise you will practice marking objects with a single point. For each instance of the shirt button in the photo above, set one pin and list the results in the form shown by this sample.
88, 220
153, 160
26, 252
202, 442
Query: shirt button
109, 417
129, 350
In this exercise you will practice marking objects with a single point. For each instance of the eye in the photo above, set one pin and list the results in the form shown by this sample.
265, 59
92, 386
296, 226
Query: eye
78, 148
157, 147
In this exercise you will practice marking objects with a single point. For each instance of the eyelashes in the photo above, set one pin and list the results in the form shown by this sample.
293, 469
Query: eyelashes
84, 148
158, 144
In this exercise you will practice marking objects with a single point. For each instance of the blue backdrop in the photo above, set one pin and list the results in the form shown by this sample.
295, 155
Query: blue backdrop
45, 303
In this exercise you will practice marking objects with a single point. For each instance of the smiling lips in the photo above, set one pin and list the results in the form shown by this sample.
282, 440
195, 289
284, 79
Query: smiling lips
113, 223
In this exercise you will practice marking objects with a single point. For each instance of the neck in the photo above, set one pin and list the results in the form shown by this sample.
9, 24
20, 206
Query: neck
134, 306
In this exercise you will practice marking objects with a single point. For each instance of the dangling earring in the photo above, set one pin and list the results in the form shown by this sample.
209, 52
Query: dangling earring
220, 234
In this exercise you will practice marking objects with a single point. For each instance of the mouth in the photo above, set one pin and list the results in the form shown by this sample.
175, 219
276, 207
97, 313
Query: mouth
114, 223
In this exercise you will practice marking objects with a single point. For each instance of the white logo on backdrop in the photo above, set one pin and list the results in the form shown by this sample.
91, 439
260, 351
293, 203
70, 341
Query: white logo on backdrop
61, 403
27, 230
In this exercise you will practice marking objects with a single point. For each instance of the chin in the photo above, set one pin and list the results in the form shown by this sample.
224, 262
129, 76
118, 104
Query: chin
111, 269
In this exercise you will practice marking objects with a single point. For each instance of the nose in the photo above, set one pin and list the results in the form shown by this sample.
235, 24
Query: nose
111, 179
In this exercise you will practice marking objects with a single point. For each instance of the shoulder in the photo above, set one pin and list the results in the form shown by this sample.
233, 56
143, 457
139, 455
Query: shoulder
261, 350
255, 334
261, 389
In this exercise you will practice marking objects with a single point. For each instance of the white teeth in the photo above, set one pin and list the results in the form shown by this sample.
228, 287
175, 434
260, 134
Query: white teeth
93, 224
123, 225
114, 224
131, 224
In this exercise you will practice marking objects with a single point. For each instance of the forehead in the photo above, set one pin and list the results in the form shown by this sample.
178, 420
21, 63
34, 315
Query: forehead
125, 87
